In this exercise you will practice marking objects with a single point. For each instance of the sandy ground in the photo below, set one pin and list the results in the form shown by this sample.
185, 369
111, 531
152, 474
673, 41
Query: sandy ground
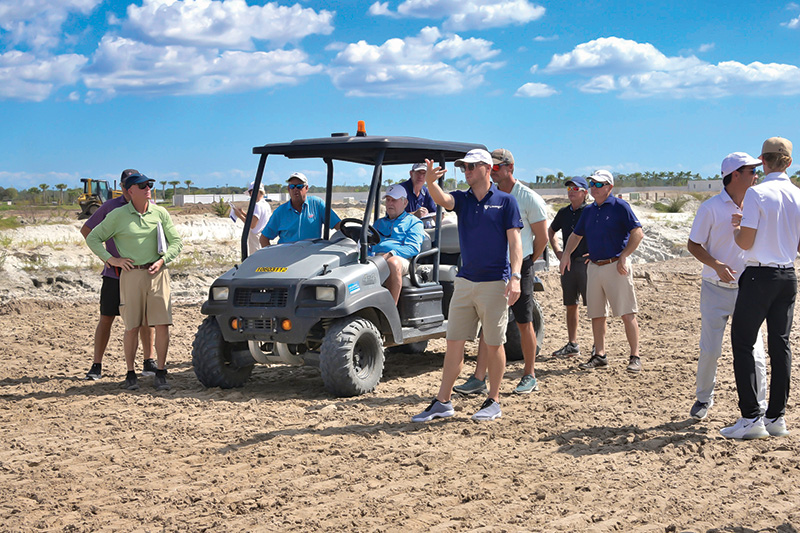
593, 451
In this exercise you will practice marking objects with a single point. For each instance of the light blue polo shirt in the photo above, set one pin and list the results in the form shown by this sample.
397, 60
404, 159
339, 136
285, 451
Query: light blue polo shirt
403, 236
292, 225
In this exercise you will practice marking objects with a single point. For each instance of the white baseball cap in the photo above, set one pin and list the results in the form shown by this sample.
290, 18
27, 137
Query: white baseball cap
737, 160
396, 192
477, 155
419, 166
252, 184
299, 175
602, 176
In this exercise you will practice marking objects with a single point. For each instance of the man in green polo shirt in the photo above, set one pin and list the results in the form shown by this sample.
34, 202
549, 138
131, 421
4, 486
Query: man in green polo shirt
146, 241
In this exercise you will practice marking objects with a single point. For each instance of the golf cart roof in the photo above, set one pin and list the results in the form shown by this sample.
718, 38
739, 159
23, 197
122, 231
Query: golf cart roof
366, 149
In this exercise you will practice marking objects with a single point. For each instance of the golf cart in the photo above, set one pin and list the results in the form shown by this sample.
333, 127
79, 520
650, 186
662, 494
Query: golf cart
321, 302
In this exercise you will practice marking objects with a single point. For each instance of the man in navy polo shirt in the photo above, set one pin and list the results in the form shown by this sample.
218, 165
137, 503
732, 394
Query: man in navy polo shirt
298, 219
612, 234
420, 202
489, 226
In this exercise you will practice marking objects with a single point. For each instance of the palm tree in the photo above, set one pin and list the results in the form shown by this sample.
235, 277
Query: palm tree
44, 187
61, 187
174, 184
163, 188
188, 186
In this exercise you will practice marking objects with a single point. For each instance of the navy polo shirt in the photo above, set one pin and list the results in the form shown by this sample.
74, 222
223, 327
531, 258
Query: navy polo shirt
482, 227
565, 221
606, 228
415, 202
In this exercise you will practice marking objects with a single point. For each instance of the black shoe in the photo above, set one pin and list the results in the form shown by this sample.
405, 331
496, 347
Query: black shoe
570, 349
160, 380
596, 361
149, 368
131, 381
95, 373
700, 410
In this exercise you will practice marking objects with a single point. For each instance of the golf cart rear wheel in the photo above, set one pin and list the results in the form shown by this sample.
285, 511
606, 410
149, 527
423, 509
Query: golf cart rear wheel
351, 357
512, 345
212, 359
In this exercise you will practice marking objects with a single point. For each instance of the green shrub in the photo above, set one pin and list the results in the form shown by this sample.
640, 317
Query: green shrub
672, 206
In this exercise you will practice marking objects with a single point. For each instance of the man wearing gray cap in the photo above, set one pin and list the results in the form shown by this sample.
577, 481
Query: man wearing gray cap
711, 242
420, 202
486, 284
769, 233
300, 218
401, 238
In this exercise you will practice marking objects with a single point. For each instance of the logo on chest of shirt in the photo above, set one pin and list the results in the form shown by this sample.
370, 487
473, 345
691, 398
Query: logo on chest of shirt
485, 207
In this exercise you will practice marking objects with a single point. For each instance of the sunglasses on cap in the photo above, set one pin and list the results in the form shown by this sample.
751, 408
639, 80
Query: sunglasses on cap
297, 186
597, 184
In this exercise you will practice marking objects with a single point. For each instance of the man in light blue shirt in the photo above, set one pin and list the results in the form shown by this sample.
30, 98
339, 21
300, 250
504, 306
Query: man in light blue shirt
401, 238
298, 219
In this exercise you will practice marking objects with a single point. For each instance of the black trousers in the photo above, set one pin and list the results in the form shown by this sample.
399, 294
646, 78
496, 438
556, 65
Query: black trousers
765, 293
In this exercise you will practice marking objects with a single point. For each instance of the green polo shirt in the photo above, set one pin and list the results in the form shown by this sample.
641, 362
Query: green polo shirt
136, 234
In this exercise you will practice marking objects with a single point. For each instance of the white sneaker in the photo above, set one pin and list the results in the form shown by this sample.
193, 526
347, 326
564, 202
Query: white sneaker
490, 410
776, 427
746, 429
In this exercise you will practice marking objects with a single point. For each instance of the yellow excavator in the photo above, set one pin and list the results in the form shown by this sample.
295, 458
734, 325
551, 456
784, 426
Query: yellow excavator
95, 192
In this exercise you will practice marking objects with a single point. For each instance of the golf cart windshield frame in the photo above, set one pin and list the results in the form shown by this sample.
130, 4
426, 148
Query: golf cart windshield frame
367, 150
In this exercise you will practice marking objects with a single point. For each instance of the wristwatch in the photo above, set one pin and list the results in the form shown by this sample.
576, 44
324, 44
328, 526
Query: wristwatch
516, 275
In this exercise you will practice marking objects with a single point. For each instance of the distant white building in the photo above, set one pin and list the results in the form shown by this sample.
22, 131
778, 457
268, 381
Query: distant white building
705, 185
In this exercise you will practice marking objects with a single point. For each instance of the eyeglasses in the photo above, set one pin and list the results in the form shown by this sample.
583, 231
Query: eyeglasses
748, 171
146, 185
597, 184
297, 186
575, 188
496, 168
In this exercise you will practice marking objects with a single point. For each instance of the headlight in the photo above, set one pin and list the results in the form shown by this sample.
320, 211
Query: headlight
219, 293
326, 294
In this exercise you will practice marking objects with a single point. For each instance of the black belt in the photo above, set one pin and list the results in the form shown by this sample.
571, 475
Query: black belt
606, 261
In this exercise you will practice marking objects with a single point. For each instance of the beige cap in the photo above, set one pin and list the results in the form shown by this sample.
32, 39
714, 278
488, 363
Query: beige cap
777, 145
501, 156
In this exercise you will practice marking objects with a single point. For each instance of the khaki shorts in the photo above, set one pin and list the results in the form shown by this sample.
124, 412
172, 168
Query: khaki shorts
404, 262
144, 298
475, 304
606, 286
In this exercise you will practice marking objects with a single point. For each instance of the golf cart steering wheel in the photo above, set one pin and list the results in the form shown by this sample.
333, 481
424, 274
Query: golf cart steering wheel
351, 227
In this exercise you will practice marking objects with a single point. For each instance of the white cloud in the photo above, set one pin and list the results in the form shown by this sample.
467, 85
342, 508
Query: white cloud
37, 23
543, 39
639, 70
125, 66
463, 15
792, 24
225, 24
707, 47
426, 64
23, 76
619, 56
535, 90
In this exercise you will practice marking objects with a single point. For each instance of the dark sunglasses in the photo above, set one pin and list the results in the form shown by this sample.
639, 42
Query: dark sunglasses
297, 186
146, 185
597, 184
497, 167
751, 171
469, 166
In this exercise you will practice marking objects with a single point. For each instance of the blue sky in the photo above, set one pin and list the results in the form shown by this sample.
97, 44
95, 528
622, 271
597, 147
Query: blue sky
183, 89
